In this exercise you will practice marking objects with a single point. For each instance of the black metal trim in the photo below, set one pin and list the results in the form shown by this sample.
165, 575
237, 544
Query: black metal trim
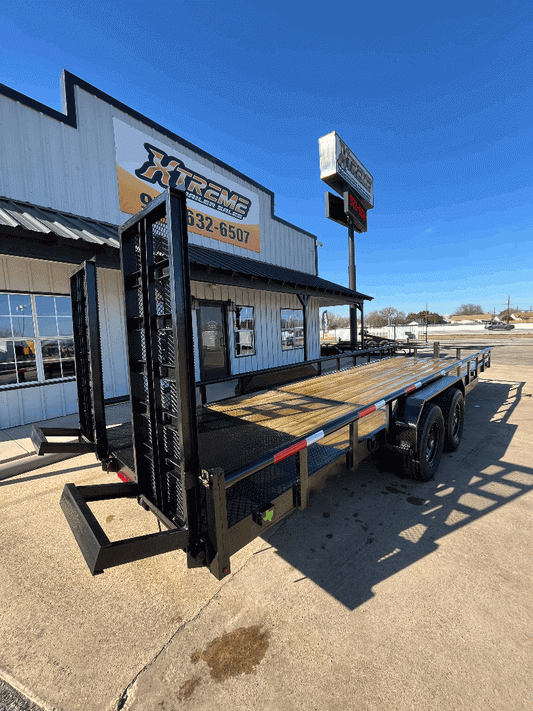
38, 245
39, 384
18, 241
69, 118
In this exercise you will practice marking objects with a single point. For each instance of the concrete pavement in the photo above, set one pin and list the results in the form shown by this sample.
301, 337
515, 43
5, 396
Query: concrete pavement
383, 594
17, 454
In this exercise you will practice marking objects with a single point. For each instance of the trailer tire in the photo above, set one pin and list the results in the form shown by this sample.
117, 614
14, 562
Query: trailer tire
452, 405
423, 464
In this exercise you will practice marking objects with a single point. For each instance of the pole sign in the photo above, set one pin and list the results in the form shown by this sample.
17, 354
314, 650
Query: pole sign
353, 207
335, 210
340, 167
347, 211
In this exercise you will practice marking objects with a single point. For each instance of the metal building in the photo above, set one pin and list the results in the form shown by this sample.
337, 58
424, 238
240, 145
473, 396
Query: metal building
67, 180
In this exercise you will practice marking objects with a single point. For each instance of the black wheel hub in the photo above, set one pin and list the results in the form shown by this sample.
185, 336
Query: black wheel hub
456, 420
432, 443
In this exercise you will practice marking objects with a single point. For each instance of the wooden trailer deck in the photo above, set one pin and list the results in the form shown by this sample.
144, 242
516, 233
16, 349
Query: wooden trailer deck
281, 414
234, 432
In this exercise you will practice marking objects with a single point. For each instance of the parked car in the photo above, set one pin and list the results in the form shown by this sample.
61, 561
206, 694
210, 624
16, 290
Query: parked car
499, 326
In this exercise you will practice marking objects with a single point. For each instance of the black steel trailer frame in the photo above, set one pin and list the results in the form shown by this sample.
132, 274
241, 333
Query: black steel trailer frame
196, 506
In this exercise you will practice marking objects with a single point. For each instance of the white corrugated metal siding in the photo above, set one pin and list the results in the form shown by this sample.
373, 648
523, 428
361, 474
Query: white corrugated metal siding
48, 163
267, 307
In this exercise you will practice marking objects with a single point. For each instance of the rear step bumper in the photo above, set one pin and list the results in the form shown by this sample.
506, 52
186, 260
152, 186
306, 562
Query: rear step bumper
39, 437
99, 552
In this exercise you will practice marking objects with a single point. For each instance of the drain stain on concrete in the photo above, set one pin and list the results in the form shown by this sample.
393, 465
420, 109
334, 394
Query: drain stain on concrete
234, 653
415, 500
187, 688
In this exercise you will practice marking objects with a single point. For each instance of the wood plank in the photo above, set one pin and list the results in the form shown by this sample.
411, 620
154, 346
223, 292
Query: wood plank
299, 408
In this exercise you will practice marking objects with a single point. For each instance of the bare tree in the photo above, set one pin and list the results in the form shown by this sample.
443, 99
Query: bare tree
432, 317
468, 310
377, 319
337, 321
373, 319
395, 316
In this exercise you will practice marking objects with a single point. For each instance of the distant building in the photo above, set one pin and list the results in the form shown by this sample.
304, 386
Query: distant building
472, 318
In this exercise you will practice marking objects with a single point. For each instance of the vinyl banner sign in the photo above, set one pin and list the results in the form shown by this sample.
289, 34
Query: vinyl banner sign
340, 167
217, 207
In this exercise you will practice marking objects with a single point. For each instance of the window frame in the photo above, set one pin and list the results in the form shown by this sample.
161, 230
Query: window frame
243, 330
293, 347
38, 341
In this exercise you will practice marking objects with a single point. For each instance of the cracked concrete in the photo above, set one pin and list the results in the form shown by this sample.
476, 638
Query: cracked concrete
383, 594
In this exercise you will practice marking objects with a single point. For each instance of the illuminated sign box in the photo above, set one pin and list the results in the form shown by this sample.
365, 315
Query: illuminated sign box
335, 209
354, 208
339, 167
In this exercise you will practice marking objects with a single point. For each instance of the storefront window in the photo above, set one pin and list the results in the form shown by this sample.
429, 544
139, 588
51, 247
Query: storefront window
292, 329
244, 331
8, 366
36, 342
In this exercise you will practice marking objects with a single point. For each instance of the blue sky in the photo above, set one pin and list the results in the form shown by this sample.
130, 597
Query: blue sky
436, 105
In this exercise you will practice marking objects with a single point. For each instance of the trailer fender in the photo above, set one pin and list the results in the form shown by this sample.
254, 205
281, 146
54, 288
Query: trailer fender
409, 411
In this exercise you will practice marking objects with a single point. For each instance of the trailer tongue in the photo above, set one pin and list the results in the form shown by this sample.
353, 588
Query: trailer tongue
218, 476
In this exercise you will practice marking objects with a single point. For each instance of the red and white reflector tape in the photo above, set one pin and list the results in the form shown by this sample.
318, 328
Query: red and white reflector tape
367, 411
314, 438
371, 408
413, 387
298, 446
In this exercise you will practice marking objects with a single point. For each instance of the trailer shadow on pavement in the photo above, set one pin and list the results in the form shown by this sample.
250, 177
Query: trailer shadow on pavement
74, 467
368, 525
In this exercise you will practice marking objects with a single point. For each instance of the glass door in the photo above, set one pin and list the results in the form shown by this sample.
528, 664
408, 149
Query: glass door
212, 340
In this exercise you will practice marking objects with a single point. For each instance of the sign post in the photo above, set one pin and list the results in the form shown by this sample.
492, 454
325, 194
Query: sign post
342, 171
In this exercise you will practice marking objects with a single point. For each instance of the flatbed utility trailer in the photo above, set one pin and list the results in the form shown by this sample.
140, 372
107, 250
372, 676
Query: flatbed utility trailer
219, 475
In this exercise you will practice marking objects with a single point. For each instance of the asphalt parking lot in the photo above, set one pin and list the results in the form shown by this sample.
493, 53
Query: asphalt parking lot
383, 594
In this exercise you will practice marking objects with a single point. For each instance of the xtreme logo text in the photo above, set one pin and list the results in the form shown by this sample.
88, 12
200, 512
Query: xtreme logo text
169, 171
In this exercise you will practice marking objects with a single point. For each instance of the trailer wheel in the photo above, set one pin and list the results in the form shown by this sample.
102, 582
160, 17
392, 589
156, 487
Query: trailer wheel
452, 405
423, 465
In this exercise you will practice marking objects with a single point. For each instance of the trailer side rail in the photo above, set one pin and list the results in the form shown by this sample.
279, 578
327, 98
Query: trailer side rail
352, 418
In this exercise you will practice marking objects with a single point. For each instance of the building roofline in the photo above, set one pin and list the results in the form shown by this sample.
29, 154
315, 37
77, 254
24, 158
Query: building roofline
69, 117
